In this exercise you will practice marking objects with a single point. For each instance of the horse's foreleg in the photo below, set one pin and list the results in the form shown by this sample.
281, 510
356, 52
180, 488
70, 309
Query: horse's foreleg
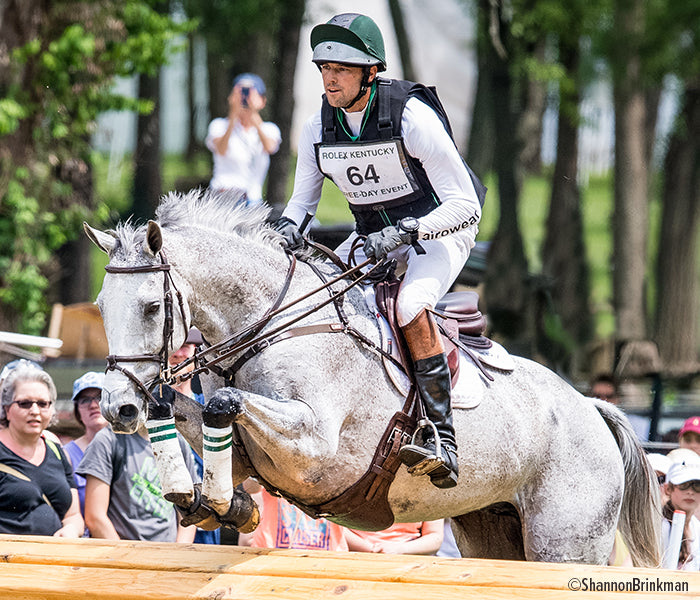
175, 480
176, 483
288, 428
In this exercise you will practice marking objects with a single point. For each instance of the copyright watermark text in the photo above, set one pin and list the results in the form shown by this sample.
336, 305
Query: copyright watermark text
636, 584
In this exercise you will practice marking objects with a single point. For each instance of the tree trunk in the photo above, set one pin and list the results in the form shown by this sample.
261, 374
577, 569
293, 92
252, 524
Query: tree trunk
282, 105
630, 221
148, 184
192, 144
74, 281
506, 278
564, 263
530, 129
482, 137
677, 262
402, 40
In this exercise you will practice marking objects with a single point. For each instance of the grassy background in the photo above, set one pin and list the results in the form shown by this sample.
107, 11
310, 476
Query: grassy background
113, 180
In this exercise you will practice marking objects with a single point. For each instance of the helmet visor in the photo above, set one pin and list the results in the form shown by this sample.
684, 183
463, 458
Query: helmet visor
342, 53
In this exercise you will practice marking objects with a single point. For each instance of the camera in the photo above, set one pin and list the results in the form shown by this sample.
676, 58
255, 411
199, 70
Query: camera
245, 93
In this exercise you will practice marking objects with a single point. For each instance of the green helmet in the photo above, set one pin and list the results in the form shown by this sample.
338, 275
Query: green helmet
351, 39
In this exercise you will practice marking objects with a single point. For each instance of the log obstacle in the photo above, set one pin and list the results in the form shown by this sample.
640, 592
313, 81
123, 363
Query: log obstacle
47, 568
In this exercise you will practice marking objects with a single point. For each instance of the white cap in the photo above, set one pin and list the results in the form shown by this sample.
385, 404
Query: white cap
682, 472
659, 462
687, 455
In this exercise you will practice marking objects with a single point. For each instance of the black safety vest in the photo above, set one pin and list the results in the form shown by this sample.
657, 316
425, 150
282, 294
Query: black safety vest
380, 180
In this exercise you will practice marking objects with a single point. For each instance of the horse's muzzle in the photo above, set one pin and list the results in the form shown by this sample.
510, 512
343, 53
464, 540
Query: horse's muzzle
123, 415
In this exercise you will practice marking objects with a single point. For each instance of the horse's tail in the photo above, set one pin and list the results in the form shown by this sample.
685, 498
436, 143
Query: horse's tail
640, 514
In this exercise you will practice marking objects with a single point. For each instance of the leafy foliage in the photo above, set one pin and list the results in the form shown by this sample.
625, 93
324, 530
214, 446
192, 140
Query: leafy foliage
56, 86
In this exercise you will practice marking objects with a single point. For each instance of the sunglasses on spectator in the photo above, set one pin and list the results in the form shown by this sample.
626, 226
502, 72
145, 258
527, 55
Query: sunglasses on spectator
27, 404
688, 484
661, 478
88, 399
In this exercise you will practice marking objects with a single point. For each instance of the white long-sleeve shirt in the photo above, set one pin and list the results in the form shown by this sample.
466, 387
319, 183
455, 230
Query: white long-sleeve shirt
425, 139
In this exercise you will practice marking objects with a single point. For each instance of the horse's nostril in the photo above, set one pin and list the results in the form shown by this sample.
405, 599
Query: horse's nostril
128, 412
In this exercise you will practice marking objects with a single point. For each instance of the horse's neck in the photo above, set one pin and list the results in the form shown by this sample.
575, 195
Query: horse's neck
234, 284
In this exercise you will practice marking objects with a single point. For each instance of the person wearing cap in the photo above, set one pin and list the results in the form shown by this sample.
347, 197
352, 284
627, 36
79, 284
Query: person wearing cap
242, 143
37, 490
689, 435
660, 464
87, 390
387, 145
184, 387
683, 490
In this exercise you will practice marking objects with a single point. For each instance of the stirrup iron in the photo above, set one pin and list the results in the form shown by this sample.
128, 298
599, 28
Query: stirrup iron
418, 459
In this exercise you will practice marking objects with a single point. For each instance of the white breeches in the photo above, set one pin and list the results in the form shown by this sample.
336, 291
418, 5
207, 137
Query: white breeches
427, 277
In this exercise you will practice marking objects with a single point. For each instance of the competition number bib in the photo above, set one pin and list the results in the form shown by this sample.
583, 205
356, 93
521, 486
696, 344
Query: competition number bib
368, 173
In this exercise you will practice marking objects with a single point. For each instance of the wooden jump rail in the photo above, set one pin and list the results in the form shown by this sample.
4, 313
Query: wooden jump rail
46, 568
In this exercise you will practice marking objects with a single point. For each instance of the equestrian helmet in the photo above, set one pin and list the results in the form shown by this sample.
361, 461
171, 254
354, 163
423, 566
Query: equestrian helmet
350, 39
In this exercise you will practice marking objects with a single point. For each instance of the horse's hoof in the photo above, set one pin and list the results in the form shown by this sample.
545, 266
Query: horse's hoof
252, 523
194, 511
243, 514
222, 408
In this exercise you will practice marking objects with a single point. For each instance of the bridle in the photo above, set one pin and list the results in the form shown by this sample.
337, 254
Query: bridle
161, 358
245, 339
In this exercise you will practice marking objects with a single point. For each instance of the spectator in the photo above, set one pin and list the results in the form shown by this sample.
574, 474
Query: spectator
87, 390
689, 435
400, 538
123, 498
683, 490
242, 143
660, 463
37, 491
605, 387
283, 525
184, 386
448, 548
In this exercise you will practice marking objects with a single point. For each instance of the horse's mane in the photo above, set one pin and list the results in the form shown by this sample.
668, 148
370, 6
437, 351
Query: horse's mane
204, 210
213, 211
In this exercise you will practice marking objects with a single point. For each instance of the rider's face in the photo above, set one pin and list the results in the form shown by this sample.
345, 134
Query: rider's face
342, 83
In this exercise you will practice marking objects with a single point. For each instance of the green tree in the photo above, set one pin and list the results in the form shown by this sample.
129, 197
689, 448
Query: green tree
57, 66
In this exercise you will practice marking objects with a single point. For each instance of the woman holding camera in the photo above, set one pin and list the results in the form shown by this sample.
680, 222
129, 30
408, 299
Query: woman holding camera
37, 490
242, 143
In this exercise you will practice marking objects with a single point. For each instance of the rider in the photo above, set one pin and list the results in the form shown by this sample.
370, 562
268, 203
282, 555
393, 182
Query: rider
388, 147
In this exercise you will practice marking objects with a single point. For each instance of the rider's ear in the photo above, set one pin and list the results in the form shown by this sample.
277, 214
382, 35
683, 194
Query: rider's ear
154, 238
104, 241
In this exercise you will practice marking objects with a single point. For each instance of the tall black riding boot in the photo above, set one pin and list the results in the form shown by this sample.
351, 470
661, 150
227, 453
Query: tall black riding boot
432, 375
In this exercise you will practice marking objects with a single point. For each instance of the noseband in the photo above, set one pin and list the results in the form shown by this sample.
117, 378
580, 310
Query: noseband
161, 358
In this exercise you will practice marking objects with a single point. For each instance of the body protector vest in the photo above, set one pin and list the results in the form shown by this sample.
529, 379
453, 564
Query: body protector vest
380, 180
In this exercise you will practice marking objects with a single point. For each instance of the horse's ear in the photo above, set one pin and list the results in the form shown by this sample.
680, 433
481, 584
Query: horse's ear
104, 241
154, 238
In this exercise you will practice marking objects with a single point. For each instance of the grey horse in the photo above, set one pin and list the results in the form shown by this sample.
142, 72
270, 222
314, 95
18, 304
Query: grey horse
546, 474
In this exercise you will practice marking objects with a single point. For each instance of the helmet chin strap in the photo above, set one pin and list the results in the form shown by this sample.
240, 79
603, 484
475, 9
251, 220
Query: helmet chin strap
364, 86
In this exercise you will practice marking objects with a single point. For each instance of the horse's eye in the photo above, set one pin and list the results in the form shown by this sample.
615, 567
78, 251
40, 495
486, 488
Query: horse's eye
152, 308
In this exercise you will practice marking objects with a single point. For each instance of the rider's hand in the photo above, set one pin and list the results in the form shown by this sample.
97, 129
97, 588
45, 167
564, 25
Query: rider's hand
290, 232
380, 243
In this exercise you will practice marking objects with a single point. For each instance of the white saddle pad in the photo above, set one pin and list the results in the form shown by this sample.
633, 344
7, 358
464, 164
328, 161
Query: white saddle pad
471, 383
